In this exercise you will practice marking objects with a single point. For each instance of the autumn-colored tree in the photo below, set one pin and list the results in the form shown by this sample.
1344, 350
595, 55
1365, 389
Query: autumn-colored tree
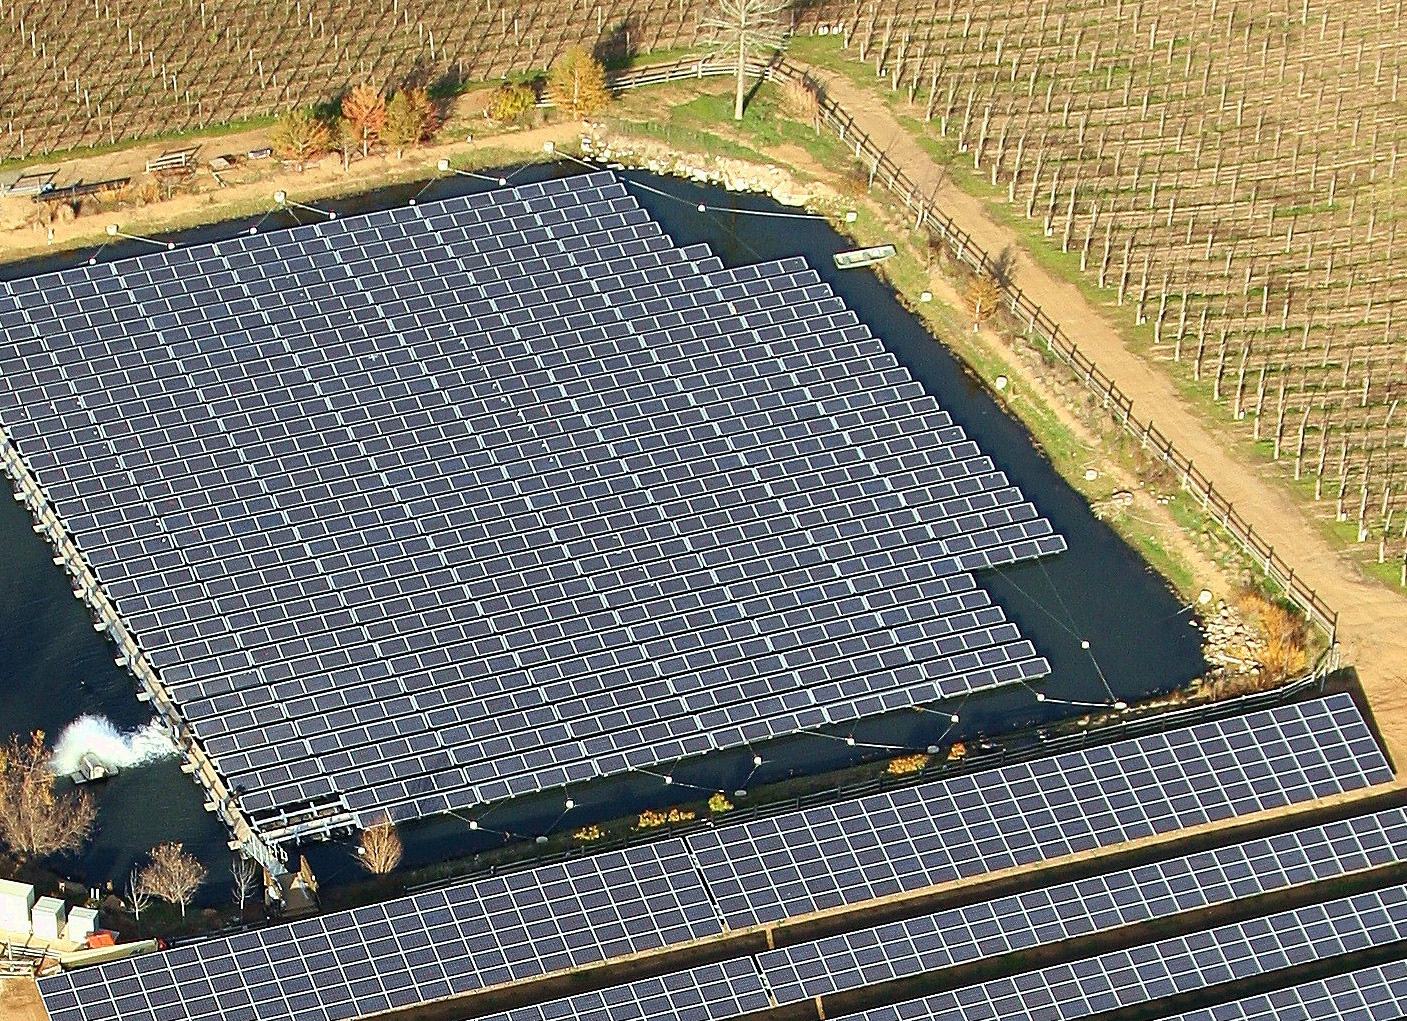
36, 821
380, 848
411, 118
300, 136
345, 141
365, 110
172, 874
983, 297
578, 83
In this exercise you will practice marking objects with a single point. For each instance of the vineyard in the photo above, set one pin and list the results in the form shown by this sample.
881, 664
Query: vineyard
1224, 170
96, 72
1227, 172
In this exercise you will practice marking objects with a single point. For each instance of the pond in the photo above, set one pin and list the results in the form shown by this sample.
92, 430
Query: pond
1111, 628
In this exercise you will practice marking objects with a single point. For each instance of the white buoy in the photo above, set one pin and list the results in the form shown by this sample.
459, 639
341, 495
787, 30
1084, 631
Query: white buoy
1001, 382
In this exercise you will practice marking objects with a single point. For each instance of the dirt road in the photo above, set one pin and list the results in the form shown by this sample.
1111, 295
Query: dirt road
1372, 617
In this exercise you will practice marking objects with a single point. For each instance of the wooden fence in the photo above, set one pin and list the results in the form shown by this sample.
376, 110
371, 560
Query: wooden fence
885, 171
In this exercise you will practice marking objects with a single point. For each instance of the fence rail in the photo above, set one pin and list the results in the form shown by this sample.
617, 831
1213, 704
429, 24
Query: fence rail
1119, 405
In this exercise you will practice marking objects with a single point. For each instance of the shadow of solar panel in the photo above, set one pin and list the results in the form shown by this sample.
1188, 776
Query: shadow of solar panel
1023, 921
1369, 994
1154, 971
1021, 814
448, 504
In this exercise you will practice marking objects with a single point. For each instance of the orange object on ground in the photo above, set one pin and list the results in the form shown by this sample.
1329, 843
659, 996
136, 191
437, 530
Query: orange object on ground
101, 939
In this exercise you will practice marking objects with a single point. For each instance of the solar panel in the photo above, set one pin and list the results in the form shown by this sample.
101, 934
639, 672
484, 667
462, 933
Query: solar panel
1155, 971
419, 510
884, 844
1369, 994
1127, 897
423, 947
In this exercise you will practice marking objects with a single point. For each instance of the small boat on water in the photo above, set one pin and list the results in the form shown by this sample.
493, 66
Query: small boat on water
859, 258
91, 769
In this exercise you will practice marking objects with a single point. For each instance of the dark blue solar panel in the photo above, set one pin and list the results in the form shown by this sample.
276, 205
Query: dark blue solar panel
442, 505
1021, 814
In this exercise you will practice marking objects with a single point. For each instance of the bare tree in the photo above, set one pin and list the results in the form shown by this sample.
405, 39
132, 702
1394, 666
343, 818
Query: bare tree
35, 820
138, 894
173, 875
742, 29
380, 848
245, 873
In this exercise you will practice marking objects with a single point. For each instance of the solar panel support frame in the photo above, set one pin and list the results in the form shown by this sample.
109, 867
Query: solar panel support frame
225, 802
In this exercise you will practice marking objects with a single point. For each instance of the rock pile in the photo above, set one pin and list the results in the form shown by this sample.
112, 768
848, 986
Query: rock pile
724, 171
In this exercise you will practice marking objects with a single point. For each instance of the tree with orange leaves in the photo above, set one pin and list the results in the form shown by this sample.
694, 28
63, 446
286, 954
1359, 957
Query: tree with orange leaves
365, 109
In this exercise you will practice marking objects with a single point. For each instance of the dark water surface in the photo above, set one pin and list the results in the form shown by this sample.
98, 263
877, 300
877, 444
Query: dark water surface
55, 668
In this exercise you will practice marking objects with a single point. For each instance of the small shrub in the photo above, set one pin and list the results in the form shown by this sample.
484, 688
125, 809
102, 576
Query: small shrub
650, 820
854, 182
589, 833
718, 804
511, 101
957, 751
1285, 653
907, 764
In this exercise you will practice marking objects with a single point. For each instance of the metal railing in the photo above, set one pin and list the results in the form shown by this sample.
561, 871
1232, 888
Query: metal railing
832, 116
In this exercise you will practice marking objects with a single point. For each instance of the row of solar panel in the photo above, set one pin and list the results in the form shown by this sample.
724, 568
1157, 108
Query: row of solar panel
971, 825
958, 597
1112, 900
87, 279
548, 918
265, 277
1127, 978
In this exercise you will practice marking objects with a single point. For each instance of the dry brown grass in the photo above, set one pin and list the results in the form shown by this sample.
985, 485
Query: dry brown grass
801, 102
1285, 653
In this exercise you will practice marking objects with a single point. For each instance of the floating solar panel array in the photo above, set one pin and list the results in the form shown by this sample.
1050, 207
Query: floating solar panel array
1369, 994
411, 950
434, 506
1186, 963
825, 857
1068, 910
